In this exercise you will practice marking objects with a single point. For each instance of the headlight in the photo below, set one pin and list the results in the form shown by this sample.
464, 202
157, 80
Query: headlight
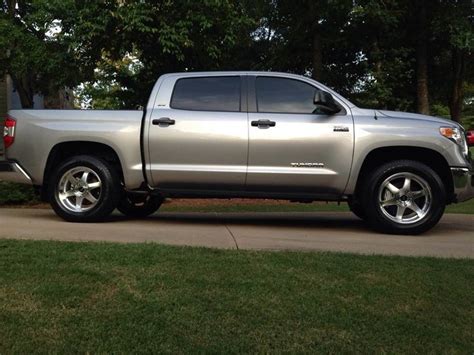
456, 135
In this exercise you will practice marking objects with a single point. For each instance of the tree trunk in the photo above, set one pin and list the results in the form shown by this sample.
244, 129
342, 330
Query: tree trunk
11, 5
25, 91
317, 56
422, 92
457, 94
22, 84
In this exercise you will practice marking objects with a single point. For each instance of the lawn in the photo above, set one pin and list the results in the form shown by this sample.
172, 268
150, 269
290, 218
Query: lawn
91, 297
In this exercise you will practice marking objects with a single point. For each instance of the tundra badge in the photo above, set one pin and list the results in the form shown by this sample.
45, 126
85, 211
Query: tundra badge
307, 165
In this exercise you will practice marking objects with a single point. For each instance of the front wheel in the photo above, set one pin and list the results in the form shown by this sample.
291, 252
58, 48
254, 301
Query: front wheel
404, 197
139, 205
84, 189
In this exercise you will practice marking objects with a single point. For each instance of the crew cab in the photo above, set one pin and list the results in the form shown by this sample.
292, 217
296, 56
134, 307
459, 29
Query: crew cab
242, 134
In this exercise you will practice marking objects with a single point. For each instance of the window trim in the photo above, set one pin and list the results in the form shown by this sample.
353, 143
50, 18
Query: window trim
241, 88
253, 93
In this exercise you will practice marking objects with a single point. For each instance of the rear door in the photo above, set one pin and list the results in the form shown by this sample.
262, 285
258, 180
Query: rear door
199, 139
293, 147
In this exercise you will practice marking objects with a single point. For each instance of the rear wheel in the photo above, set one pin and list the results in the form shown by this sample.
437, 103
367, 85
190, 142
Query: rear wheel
404, 197
139, 205
84, 189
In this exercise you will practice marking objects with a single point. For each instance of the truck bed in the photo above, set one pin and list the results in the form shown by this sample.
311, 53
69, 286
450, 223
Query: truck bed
39, 131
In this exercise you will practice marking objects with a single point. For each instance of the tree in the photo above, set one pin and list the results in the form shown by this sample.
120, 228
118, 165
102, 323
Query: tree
33, 53
386, 56
397, 54
169, 36
313, 38
461, 41
422, 92
416, 55
110, 88
453, 34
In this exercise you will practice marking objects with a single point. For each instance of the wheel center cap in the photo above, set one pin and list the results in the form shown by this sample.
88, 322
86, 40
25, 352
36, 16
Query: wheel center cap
404, 201
79, 189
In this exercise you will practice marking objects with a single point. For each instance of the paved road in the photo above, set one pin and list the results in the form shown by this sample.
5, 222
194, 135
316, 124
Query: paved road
453, 237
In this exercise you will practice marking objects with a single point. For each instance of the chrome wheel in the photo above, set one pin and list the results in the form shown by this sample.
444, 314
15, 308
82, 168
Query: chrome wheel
79, 189
405, 198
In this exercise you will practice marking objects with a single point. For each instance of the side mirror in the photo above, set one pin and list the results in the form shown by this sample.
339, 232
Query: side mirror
325, 102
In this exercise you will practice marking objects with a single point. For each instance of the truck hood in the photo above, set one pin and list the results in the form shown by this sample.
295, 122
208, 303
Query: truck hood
415, 116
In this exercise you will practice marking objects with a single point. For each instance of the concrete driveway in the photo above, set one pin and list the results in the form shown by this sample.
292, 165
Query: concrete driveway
323, 231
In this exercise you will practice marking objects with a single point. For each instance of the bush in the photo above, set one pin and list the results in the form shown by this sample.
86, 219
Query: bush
467, 119
11, 193
440, 111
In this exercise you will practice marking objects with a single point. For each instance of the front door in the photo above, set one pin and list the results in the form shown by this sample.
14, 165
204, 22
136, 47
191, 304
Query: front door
293, 147
200, 141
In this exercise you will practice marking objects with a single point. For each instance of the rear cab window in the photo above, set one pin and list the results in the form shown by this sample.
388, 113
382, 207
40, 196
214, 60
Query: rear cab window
215, 93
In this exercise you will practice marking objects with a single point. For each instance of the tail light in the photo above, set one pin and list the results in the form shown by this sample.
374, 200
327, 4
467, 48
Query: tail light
9, 132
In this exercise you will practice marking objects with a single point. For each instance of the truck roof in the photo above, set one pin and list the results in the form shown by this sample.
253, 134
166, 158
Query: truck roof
234, 72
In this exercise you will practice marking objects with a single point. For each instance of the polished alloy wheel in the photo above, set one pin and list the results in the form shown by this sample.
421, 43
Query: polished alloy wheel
405, 198
79, 189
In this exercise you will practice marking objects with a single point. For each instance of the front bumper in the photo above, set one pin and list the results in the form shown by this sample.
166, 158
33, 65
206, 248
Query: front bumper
463, 184
13, 172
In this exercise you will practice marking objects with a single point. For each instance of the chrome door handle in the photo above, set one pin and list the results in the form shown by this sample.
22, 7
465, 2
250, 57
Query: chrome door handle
263, 123
164, 121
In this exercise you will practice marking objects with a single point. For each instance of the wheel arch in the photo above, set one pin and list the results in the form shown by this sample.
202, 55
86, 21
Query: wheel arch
65, 150
430, 157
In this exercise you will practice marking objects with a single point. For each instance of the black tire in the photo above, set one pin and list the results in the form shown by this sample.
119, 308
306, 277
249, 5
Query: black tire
389, 219
139, 205
357, 209
107, 194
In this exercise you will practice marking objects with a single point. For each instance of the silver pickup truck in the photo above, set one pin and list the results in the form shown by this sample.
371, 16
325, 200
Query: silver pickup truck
242, 134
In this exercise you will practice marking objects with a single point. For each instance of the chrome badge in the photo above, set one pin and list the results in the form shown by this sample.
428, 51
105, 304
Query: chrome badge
307, 165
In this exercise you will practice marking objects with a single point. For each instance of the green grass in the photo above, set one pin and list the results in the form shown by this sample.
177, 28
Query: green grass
12, 194
87, 297
255, 207
465, 207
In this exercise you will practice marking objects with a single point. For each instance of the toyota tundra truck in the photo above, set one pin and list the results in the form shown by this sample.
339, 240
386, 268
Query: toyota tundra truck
241, 134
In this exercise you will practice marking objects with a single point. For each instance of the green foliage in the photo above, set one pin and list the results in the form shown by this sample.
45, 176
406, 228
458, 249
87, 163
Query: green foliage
14, 194
164, 36
366, 48
440, 110
34, 51
452, 23
468, 109
468, 118
107, 90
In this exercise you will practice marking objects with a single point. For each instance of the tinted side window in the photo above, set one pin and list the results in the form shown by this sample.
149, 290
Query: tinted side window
280, 95
207, 94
